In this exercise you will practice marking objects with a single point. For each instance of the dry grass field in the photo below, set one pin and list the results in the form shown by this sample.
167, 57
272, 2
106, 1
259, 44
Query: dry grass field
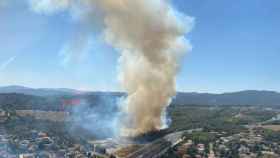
272, 127
44, 115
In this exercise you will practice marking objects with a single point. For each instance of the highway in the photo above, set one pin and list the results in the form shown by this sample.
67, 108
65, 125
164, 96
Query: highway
158, 147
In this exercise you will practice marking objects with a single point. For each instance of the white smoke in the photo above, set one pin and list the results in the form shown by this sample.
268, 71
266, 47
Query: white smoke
150, 35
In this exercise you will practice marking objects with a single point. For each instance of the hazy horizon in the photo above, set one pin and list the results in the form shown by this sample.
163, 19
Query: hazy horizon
89, 90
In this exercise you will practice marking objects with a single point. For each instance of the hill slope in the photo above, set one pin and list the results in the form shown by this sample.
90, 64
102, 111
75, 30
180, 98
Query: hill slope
39, 91
258, 98
250, 97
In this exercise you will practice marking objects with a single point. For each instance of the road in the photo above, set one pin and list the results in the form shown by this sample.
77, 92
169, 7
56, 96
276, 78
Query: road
158, 147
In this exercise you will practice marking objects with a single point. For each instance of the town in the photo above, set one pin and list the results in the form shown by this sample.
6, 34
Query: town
245, 135
254, 143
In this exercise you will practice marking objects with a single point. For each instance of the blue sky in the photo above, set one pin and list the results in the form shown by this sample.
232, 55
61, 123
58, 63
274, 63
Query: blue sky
235, 47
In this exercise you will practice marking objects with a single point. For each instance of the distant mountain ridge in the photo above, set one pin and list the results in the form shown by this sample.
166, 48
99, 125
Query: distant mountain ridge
249, 97
39, 91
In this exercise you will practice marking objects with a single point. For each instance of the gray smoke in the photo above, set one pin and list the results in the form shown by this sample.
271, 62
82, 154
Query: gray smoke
150, 36
101, 118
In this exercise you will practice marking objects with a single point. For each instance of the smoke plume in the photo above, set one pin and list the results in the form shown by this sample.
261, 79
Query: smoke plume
150, 36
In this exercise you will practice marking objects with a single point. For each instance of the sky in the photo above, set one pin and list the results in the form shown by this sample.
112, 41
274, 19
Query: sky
235, 47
